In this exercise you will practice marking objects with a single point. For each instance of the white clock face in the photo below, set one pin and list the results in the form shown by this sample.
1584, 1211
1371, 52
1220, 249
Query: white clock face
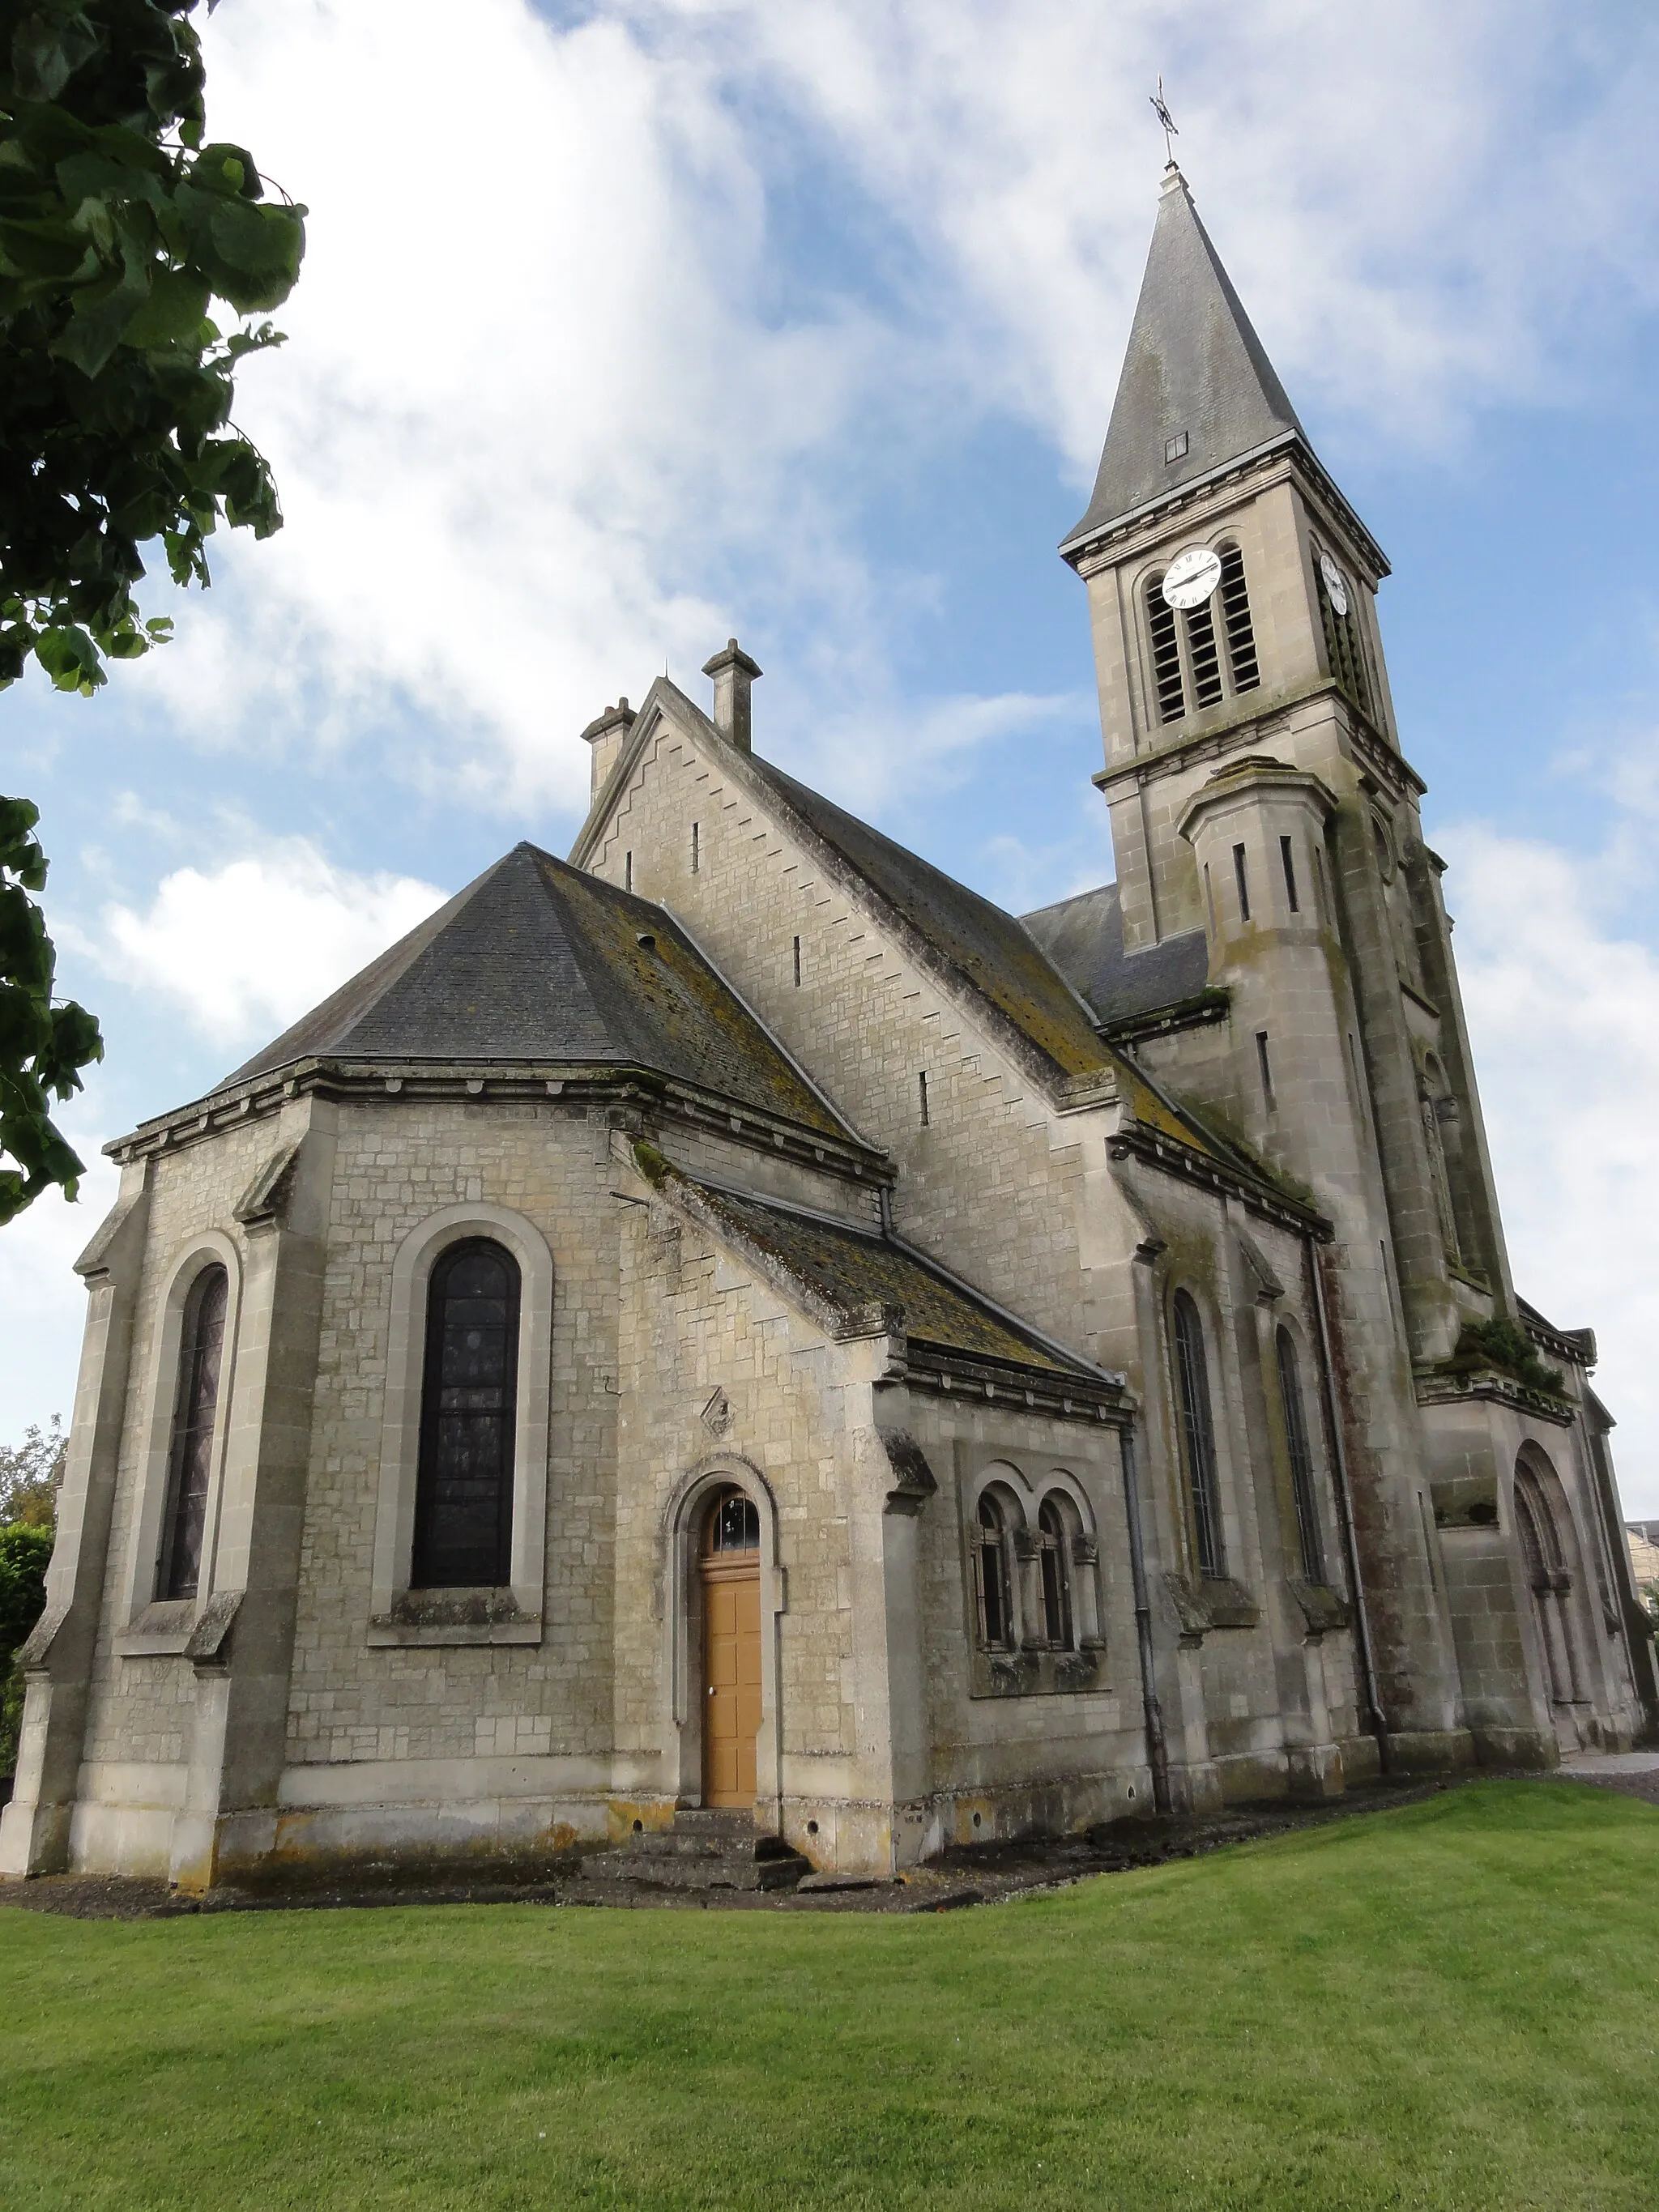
1336, 583
1191, 577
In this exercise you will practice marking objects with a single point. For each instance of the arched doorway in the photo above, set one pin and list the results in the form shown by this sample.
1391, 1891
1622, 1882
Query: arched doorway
729, 1565
1551, 1586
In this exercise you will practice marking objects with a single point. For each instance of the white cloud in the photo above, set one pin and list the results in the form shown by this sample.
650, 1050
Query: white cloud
244, 949
565, 399
1564, 1016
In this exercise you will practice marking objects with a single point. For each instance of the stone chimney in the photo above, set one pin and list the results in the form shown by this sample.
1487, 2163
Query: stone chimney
733, 672
607, 736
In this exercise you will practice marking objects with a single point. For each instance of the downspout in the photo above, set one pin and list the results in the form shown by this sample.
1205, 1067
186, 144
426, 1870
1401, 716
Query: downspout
1158, 1750
1374, 1719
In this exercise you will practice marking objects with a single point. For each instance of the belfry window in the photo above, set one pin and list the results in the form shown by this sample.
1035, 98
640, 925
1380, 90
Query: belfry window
1207, 654
991, 1587
1302, 1471
463, 1487
1198, 1435
1235, 621
1339, 619
190, 1459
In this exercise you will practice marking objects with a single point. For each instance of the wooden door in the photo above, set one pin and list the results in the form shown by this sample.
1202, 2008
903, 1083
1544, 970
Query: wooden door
732, 1677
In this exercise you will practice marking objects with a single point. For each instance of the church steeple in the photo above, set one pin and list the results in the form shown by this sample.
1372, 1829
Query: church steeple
1198, 394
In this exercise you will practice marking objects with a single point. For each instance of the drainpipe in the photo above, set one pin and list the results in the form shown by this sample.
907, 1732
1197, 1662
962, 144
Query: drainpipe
1158, 1750
1374, 1717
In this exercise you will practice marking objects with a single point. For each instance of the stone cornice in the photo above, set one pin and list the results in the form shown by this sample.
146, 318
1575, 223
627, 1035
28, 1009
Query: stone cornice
1440, 1389
1254, 720
576, 1088
1136, 1141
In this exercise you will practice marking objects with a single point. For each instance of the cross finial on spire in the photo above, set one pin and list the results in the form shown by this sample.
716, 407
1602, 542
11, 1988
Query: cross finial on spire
1167, 122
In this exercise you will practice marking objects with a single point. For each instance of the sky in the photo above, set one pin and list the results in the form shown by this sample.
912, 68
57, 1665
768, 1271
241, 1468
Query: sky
628, 326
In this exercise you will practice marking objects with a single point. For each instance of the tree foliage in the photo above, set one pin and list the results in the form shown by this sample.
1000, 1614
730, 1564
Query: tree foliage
30, 1474
119, 228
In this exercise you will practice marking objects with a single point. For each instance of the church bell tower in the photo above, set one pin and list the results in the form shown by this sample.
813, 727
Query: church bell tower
1259, 796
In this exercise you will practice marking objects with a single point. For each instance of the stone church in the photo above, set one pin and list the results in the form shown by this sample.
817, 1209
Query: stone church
733, 1319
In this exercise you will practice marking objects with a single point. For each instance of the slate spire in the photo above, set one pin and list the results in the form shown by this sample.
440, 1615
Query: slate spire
1197, 390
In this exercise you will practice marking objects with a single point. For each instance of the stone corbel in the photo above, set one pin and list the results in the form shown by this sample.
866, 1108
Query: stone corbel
263, 1204
916, 1481
1321, 1607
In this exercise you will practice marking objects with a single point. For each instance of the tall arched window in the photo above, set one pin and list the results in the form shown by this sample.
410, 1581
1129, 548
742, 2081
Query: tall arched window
1053, 1543
1340, 619
1189, 664
464, 1488
1198, 1435
195, 1412
1302, 1472
991, 1580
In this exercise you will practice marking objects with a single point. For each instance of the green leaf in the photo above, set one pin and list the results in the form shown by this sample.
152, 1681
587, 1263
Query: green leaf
70, 658
174, 312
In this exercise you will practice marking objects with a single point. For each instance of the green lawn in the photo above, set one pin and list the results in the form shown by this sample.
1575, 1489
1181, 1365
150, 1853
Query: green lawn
1456, 2004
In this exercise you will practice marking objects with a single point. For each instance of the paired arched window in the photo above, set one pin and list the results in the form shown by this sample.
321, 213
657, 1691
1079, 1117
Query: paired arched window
195, 1414
1208, 652
1302, 1470
1053, 1543
993, 1584
469, 1406
1198, 1435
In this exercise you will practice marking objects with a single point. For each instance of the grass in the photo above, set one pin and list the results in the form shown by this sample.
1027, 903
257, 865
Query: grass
1450, 2005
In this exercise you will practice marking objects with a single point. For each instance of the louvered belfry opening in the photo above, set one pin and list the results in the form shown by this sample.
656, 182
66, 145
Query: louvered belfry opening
1204, 655
464, 1489
1342, 648
1166, 654
1235, 621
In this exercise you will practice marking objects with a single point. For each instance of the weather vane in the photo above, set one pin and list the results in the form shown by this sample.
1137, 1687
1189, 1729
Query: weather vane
1160, 108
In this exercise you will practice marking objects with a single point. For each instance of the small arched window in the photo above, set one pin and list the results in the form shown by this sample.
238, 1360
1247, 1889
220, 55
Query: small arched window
463, 1487
1198, 1435
1302, 1472
194, 1413
733, 1525
991, 1579
1053, 1546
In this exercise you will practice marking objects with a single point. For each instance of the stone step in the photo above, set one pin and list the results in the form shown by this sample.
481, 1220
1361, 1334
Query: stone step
708, 1847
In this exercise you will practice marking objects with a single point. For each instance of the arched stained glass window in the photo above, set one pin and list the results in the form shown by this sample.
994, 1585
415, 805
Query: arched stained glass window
1198, 1435
1302, 1472
190, 1460
464, 1490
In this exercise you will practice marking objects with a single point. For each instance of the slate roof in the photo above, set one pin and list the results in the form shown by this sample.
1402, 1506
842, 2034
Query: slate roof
1194, 364
1083, 938
536, 962
988, 948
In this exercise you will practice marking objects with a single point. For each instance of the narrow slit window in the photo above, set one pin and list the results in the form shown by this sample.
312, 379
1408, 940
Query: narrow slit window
627, 871
1235, 621
1198, 1435
1288, 859
196, 1408
1302, 1468
1241, 877
1166, 654
696, 847
798, 964
1204, 655
1267, 1067
922, 1097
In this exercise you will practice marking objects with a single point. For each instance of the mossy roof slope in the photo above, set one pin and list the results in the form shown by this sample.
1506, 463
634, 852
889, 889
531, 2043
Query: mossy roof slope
988, 949
537, 962
853, 1267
